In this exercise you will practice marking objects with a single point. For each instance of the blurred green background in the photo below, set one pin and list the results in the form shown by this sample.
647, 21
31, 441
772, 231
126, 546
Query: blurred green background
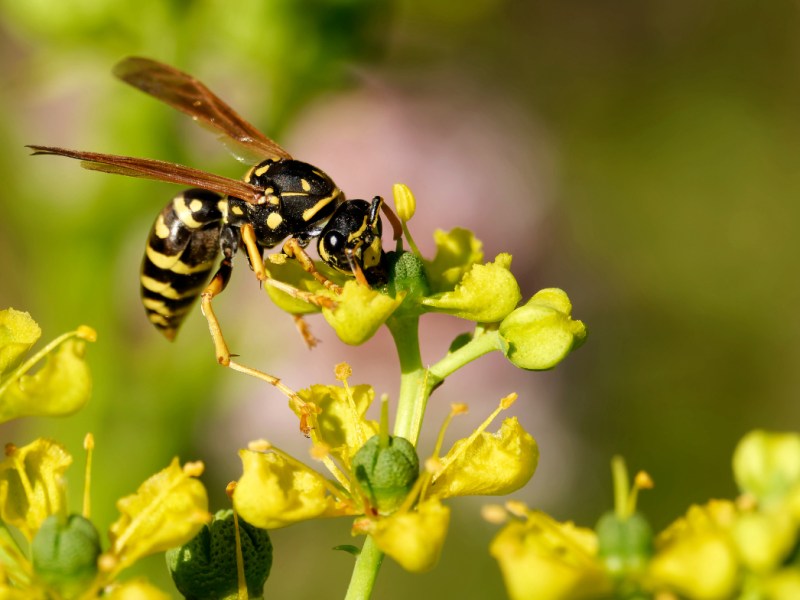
641, 155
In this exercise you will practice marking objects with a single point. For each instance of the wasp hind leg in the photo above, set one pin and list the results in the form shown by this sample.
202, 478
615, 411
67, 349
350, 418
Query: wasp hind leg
215, 287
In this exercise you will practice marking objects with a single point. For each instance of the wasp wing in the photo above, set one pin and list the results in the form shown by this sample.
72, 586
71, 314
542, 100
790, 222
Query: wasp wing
188, 95
158, 170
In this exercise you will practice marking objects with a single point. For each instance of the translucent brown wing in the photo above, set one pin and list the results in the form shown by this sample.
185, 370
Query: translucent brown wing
160, 171
188, 95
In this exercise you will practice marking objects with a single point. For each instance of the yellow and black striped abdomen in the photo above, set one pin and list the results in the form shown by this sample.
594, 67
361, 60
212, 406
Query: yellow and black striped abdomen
179, 257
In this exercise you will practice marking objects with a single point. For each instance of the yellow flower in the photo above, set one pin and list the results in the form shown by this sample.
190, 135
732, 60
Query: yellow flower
406, 518
695, 556
543, 559
63, 384
168, 508
31, 484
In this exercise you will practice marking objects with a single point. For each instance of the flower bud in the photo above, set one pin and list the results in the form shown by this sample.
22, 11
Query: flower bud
626, 544
65, 552
407, 274
767, 465
205, 567
540, 334
404, 201
386, 473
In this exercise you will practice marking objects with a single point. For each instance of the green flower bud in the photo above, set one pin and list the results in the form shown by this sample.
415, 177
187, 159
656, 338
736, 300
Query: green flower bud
205, 567
540, 334
767, 465
386, 473
65, 552
625, 544
407, 274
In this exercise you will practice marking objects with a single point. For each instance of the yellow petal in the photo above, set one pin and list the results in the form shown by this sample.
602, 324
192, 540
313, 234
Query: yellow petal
695, 555
275, 492
32, 486
292, 273
456, 252
359, 312
414, 539
492, 464
167, 510
543, 559
487, 293
341, 425
61, 387
18, 332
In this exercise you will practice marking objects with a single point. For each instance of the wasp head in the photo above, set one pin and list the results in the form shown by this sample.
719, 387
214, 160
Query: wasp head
351, 241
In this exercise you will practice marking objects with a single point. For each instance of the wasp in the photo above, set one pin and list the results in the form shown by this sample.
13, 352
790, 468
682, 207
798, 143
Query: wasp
280, 201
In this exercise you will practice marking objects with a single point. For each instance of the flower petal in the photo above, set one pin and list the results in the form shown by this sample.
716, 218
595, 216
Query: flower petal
543, 559
486, 293
167, 510
456, 252
341, 425
32, 485
274, 492
18, 333
359, 312
61, 387
492, 464
414, 539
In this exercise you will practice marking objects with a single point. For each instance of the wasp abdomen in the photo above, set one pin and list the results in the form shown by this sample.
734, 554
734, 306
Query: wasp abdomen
180, 255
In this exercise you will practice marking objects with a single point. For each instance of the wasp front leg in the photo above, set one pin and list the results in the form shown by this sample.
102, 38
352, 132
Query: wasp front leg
293, 249
257, 261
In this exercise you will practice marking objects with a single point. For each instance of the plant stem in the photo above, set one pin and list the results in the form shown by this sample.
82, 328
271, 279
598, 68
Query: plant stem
414, 389
416, 385
365, 571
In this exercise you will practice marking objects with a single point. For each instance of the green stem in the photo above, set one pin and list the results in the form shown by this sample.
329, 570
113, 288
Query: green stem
414, 385
485, 341
364, 573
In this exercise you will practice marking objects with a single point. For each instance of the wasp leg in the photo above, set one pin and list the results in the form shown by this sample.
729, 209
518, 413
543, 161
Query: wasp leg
305, 331
293, 249
254, 254
253, 251
217, 284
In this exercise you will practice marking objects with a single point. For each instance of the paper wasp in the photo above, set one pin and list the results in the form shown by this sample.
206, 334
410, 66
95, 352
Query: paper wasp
279, 199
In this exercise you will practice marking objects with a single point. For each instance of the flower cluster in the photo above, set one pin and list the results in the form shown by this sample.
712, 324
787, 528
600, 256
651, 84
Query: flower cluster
744, 548
375, 477
59, 554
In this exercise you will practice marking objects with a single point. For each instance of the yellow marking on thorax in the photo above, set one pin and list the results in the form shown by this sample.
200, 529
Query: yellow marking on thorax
237, 210
184, 213
306, 186
259, 172
274, 220
160, 228
195, 205
309, 213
